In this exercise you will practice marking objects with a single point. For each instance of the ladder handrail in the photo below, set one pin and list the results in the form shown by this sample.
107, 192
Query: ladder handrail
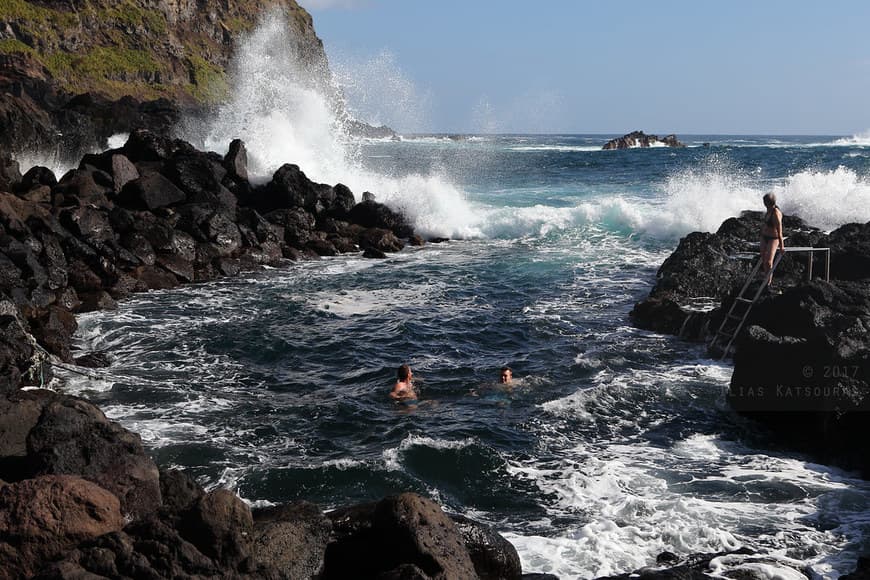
750, 303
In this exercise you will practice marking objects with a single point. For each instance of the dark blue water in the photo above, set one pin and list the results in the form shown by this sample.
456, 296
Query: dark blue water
613, 445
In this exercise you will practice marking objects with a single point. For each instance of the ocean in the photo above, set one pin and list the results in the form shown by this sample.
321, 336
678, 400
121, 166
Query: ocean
613, 444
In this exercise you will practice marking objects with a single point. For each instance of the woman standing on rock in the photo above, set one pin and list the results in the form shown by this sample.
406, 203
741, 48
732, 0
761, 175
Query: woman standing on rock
771, 236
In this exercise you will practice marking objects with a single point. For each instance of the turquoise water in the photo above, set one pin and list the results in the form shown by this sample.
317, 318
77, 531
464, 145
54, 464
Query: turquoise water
613, 445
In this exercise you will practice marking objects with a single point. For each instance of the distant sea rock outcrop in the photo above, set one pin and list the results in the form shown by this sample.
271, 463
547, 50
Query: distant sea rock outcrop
802, 361
637, 139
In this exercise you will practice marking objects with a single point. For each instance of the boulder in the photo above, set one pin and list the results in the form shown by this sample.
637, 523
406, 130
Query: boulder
97, 300
53, 329
709, 268
380, 239
195, 173
236, 160
88, 223
220, 525
149, 192
297, 223
371, 214
73, 437
292, 539
35, 177
178, 490
42, 518
288, 189
15, 353
19, 413
494, 557
343, 201
123, 172
147, 146
10, 173
386, 539
144, 549
850, 252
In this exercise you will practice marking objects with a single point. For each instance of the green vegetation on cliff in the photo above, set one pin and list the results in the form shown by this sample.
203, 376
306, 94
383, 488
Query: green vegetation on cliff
137, 47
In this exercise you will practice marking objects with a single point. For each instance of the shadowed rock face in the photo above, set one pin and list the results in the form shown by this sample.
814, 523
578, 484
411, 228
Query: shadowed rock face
803, 370
802, 361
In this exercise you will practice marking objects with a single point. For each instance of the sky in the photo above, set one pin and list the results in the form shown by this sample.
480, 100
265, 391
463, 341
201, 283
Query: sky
573, 66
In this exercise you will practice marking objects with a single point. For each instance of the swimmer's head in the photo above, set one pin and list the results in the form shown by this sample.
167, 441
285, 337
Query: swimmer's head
506, 375
403, 373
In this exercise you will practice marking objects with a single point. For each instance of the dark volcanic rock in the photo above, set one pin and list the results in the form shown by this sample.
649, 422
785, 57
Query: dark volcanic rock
381, 240
10, 173
150, 192
850, 251
494, 557
640, 139
42, 518
36, 176
220, 526
236, 160
292, 539
15, 353
386, 538
371, 214
803, 369
74, 437
707, 268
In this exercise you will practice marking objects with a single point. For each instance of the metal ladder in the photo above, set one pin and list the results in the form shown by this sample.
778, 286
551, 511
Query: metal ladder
746, 304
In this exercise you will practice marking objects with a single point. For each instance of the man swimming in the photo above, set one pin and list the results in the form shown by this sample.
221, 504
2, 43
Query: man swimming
507, 376
403, 390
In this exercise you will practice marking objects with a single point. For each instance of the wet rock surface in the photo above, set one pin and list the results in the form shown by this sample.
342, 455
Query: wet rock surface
802, 359
637, 139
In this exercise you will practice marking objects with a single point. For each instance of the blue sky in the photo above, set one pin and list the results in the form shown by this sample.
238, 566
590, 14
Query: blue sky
736, 67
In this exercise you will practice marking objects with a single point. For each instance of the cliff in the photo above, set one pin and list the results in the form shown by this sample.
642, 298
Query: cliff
73, 73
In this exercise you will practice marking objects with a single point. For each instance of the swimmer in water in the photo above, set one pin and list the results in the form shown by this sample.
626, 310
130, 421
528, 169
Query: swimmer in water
403, 390
507, 376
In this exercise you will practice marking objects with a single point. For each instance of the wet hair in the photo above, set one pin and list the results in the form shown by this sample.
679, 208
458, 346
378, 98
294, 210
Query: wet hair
403, 373
508, 369
769, 199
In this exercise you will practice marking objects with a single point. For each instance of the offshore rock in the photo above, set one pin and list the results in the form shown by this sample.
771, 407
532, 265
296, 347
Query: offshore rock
637, 139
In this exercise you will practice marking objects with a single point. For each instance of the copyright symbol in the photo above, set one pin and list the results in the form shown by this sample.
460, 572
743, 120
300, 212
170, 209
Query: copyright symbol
808, 372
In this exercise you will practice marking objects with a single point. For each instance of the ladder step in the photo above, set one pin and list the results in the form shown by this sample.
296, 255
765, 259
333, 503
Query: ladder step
735, 317
723, 333
743, 300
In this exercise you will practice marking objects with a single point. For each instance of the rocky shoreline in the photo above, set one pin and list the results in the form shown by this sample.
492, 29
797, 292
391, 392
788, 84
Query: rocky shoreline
79, 497
802, 363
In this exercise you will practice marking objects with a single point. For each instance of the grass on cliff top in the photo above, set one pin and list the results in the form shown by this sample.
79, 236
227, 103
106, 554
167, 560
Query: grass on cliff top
209, 81
13, 45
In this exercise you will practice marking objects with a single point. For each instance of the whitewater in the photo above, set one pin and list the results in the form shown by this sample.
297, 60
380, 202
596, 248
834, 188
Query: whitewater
614, 445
